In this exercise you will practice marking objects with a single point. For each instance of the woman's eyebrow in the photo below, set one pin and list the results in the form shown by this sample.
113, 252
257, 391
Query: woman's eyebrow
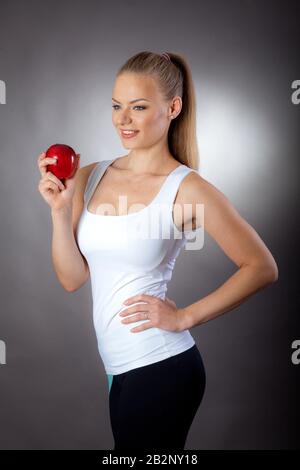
133, 101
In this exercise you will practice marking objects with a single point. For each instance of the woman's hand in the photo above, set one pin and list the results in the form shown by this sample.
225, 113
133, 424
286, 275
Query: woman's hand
55, 193
161, 313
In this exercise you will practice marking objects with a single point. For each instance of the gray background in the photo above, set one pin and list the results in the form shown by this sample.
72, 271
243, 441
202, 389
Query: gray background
59, 59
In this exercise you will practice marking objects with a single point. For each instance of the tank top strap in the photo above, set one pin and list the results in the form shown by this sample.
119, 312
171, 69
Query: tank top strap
94, 178
171, 185
167, 196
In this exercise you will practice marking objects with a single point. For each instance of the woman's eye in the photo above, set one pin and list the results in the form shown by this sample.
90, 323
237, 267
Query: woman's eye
141, 107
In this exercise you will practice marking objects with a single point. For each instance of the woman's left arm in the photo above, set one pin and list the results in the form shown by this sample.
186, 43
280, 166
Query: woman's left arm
240, 242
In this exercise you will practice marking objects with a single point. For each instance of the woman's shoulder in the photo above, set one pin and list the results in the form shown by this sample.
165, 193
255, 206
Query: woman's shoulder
193, 186
195, 189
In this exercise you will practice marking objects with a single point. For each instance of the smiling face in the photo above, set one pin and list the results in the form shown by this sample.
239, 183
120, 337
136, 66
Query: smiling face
150, 117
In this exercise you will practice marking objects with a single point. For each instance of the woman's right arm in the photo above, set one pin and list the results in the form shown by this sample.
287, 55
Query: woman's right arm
66, 202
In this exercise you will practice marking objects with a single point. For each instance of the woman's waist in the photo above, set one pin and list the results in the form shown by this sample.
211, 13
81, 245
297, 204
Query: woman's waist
148, 345
117, 336
108, 303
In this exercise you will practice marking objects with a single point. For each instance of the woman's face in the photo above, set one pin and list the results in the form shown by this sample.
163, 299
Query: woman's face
150, 118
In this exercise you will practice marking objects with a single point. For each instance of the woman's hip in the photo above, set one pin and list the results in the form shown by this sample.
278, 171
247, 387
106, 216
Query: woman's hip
181, 373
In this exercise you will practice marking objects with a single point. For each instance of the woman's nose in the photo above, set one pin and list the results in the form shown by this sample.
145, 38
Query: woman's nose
124, 120
124, 116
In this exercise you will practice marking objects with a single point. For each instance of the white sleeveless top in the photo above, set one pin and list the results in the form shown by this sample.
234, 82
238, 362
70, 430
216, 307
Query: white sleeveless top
128, 255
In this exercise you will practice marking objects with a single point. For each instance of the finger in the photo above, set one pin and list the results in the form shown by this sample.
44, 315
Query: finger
49, 175
47, 185
134, 318
136, 308
141, 297
44, 162
45, 182
41, 156
144, 326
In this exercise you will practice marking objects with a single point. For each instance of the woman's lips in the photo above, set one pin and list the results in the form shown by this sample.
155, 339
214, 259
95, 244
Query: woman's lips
129, 135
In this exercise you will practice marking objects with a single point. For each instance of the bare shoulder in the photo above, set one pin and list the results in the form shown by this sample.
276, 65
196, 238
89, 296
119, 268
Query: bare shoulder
197, 190
207, 200
192, 182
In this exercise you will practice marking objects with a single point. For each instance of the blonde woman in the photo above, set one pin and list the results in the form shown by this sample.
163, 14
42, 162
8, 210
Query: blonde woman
155, 371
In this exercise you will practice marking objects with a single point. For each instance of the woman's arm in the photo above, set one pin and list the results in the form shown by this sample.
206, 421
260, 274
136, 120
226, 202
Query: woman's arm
70, 265
240, 242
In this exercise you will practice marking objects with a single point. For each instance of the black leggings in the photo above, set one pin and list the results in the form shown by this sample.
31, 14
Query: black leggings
152, 407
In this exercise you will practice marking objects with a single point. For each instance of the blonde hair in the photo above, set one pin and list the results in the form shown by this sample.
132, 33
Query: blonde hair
174, 78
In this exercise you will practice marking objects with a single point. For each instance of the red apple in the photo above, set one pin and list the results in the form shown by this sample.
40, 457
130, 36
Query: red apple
67, 161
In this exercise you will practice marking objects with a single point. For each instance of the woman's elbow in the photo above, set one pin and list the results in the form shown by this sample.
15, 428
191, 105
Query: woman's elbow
266, 270
271, 272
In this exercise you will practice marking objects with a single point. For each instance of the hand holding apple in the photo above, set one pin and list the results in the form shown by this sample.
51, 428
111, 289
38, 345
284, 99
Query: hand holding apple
67, 161
57, 193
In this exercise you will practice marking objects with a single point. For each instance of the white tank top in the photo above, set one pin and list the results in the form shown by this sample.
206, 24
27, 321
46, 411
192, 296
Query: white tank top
128, 255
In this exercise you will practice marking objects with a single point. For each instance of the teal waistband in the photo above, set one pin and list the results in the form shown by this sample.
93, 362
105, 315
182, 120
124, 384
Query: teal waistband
110, 379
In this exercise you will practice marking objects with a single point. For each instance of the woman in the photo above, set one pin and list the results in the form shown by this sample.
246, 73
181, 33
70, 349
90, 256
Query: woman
155, 370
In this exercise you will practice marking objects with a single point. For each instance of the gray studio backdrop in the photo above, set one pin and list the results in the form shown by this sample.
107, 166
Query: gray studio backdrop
58, 61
